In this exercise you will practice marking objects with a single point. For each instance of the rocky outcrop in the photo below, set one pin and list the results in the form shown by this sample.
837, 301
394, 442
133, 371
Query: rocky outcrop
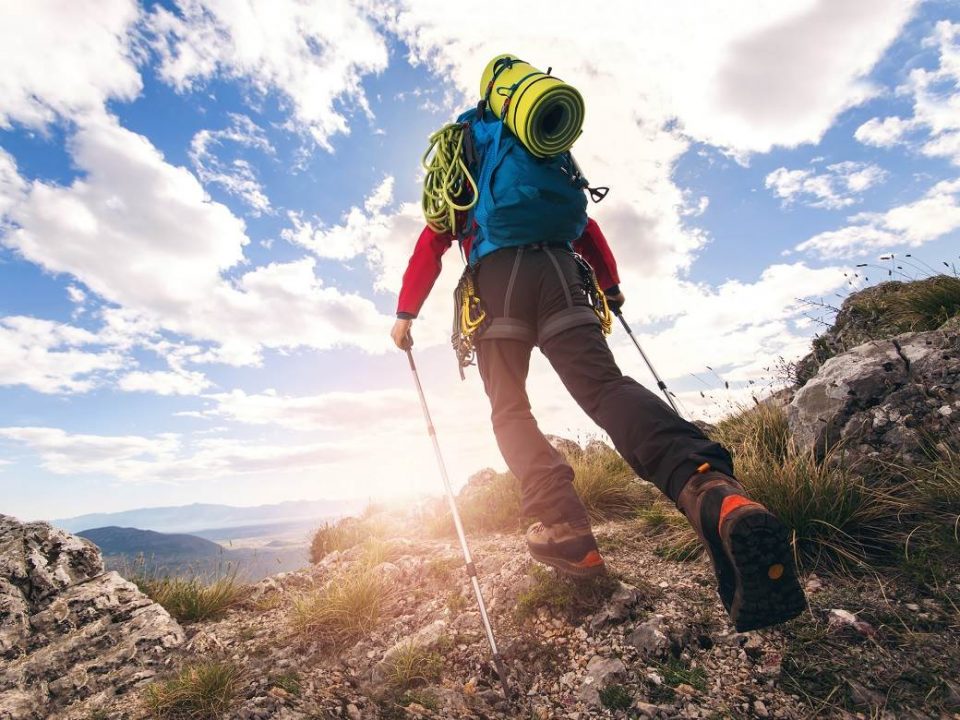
895, 399
70, 634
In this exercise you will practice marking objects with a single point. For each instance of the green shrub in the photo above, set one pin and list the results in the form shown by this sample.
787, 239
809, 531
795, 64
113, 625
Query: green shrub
194, 599
492, 507
346, 609
203, 691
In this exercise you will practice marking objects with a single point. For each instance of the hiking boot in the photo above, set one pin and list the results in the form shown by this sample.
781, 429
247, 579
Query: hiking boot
749, 548
569, 548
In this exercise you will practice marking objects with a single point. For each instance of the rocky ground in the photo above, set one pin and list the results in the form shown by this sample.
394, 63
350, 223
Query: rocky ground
649, 641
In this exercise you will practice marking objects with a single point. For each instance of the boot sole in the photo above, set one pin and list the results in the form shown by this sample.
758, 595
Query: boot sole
567, 567
767, 590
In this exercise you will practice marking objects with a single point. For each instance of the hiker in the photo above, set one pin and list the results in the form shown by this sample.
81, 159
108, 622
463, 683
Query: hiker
541, 293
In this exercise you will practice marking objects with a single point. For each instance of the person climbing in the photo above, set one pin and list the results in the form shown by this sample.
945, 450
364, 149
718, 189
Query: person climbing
548, 285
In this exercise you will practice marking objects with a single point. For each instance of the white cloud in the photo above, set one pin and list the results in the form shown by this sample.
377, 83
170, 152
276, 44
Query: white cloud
238, 176
165, 458
838, 186
142, 233
51, 357
163, 382
342, 411
65, 58
935, 124
314, 55
931, 217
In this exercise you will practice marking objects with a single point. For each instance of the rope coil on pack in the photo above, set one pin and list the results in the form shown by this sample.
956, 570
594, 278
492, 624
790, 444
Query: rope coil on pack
595, 295
448, 181
469, 318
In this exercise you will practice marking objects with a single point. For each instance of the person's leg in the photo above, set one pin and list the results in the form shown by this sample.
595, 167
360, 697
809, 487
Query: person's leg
546, 480
658, 444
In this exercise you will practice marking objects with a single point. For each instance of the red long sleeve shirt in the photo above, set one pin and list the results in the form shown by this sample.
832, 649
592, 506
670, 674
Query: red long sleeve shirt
424, 266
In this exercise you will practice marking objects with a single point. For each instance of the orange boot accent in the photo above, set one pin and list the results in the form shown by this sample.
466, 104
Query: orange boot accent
703, 468
731, 503
592, 559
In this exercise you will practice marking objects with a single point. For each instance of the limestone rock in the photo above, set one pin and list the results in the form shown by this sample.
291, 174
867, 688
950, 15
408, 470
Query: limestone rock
601, 672
881, 399
648, 638
69, 631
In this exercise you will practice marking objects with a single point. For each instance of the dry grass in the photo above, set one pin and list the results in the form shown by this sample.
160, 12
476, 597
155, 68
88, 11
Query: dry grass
203, 691
835, 515
412, 665
346, 609
607, 485
194, 599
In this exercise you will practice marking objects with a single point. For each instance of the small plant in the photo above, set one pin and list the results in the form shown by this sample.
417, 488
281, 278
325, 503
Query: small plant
288, 682
761, 430
492, 507
412, 665
677, 672
561, 595
203, 691
194, 599
616, 697
377, 550
344, 610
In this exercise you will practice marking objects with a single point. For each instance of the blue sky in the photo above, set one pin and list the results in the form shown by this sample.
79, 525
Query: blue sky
207, 208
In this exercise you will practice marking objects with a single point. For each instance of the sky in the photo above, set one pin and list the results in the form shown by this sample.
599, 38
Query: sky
206, 208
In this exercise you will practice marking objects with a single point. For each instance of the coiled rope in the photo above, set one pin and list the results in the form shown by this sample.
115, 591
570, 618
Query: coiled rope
448, 182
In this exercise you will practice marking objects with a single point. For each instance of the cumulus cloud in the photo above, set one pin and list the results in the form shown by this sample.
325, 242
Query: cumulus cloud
64, 58
164, 382
931, 217
143, 234
838, 186
238, 176
314, 55
344, 411
165, 458
52, 357
934, 126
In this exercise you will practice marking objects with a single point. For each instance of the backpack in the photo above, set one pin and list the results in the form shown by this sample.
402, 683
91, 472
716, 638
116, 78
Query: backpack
522, 199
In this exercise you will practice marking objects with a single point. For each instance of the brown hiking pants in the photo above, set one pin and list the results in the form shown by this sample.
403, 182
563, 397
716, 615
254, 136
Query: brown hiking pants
535, 296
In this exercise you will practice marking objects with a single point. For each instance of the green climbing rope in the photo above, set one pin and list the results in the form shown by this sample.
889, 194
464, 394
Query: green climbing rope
448, 182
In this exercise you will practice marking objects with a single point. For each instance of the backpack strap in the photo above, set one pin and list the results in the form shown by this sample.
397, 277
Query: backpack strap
502, 64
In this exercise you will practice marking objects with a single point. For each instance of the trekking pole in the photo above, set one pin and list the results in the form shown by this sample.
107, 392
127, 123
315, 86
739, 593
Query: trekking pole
468, 560
660, 383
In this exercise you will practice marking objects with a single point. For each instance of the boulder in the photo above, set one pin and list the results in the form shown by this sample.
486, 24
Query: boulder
890, 399
69, 632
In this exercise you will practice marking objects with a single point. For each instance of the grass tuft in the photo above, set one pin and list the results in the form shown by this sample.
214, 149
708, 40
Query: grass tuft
344, 610
412, 665
193, 599
203, 691
343, 535
607, 486
616, 697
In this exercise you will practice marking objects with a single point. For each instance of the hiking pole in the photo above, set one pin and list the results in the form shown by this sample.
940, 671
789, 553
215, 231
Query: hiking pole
660, 383
468, 560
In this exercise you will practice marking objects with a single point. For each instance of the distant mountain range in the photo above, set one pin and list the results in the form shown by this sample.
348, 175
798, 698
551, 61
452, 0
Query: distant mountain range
132, 551
201, 517
131, 541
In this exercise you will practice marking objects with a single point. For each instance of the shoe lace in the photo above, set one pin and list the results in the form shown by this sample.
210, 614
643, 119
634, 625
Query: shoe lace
538, 527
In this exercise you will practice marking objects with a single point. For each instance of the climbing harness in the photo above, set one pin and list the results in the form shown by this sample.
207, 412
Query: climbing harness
468, 560
595, 295
469, 319
543, 112
448, 187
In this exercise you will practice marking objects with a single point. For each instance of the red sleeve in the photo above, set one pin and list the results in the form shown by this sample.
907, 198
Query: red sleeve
595, 250
422, 270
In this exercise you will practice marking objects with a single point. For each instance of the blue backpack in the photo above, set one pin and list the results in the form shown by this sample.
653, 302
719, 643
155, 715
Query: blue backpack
523, 199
